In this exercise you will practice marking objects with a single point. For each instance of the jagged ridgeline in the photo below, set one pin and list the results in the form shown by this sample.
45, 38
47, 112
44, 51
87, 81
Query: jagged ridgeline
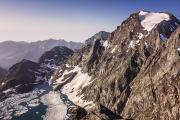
131, 73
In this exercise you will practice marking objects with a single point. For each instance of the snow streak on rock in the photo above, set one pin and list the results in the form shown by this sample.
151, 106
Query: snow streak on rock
74, 87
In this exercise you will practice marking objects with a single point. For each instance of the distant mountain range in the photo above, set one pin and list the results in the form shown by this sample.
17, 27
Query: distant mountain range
12, 52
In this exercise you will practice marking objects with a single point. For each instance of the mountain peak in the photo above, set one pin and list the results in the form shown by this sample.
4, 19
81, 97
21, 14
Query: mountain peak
56, 55
103, 35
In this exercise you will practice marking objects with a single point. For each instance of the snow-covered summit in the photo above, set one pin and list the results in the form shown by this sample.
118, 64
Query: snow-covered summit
150, 19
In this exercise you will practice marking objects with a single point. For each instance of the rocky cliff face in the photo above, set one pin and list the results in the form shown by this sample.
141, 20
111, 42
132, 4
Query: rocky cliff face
155, 90
133, 74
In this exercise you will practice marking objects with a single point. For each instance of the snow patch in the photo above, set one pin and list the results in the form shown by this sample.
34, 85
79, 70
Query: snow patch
59, 80
22, 111
146, 44
137, 42
3, 83
134, 43
67, 65
33, 103
105, 44
8, 90
131, 45
140, 35
150, 20
114, 49
178, 49
73, 88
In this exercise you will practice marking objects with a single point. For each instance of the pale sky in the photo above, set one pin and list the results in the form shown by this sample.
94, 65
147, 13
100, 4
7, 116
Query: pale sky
71, 20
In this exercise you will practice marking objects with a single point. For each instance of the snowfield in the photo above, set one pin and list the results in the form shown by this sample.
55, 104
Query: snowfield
150, 20
73, 88
56, 108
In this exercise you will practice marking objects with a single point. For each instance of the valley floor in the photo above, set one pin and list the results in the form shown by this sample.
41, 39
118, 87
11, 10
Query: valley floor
41, 103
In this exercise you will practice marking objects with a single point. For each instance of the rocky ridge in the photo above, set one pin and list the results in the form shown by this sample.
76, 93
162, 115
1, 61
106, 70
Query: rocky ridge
134, 74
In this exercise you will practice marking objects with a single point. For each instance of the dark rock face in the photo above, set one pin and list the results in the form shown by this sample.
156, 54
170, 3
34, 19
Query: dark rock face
78, 113
135, 77
21, 74
2, 73
58, 55
165, 28
104, 113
